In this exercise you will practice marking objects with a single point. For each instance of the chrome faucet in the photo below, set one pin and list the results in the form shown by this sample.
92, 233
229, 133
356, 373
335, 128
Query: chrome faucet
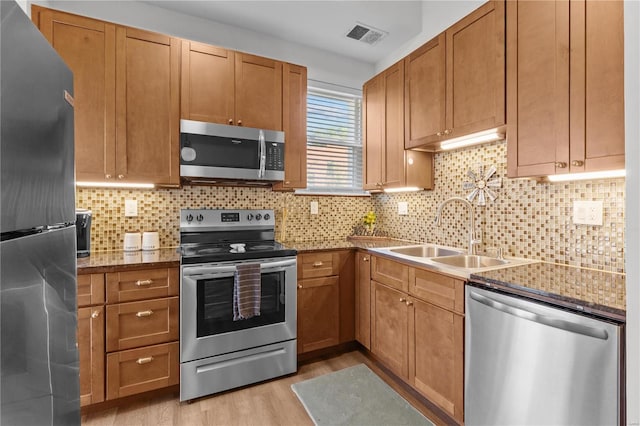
472, 238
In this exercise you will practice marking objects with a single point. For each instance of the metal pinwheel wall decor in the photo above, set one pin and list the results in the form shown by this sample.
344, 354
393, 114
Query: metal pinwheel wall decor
482, 185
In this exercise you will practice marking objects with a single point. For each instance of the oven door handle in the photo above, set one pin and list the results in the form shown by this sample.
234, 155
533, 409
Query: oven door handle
231, 269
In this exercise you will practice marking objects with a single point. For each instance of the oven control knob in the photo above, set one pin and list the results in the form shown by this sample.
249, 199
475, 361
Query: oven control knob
250, 217
267, 216
189, 217
199, 218
258, 216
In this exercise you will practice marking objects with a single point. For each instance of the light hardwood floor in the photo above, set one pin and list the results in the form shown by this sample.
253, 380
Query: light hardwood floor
269, 403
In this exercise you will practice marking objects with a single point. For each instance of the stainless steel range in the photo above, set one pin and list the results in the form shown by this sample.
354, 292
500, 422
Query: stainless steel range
217, 352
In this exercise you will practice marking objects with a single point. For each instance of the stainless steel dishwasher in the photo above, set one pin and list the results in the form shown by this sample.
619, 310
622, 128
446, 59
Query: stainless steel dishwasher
527, 363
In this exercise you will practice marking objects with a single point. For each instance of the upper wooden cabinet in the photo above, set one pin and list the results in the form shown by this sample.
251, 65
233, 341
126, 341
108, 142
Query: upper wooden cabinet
126, 90
386, 163
88, 48
455, 83
565, 81
227, 87
294, 123
147, 106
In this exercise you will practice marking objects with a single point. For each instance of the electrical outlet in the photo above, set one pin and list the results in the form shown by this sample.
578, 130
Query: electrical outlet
403, 208
130, 208
587, 213
314, 207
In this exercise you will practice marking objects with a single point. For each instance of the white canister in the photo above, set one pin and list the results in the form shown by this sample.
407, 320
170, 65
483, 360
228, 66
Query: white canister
150, 241
132, 241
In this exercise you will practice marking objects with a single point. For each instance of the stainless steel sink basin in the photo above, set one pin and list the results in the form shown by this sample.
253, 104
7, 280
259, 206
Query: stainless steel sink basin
424, 251
470, 261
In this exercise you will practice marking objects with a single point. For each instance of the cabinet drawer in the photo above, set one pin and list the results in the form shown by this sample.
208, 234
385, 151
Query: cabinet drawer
389, 272
140, 370
144, 284
90, 289
441, 290
314, 265
130, 325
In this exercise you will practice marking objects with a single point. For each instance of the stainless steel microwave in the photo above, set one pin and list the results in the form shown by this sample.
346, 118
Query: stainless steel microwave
211, 151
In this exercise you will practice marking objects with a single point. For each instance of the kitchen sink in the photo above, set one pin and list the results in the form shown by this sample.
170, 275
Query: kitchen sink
471, 261
425, 251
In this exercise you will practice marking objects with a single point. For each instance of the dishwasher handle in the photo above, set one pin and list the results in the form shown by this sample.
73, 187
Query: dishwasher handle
561, 324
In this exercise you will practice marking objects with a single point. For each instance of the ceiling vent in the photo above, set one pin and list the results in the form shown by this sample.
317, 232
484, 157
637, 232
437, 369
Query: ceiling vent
366, 33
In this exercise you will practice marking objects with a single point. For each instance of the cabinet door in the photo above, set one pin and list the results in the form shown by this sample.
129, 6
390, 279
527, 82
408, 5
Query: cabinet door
389, 328
91, 354
88, 48
436, 347
425, 93
258, 83
90, 289
597, 86
393, 172
207, 91
147, 107
318, 313
373, 105
537, 87
363, 299
294, 120
475, 71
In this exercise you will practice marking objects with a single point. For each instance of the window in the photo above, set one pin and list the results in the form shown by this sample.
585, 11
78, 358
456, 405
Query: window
334, 142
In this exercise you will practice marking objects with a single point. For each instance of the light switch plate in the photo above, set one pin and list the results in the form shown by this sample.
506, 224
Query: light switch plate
403, 208
314, 207
587, 213
130, 208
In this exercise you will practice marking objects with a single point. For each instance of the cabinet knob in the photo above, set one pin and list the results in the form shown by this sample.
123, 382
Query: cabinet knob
402, 299
146, 360
317, 264
287, 182
299, 285
120, 176
440, 133
577, 163
448, 131
143, 314
365, 259
561, 164
409, 302
239, 122
107, 176
231, 121
95, 314
140, 283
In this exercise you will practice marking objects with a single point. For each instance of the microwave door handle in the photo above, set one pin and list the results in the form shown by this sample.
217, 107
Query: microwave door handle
263, 154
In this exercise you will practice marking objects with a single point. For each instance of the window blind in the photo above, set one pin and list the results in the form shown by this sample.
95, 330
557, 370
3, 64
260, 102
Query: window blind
334, 142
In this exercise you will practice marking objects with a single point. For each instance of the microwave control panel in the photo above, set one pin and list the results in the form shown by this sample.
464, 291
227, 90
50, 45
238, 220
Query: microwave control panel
275, 156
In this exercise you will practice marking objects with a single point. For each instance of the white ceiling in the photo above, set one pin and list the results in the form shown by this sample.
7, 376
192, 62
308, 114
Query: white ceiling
319, 24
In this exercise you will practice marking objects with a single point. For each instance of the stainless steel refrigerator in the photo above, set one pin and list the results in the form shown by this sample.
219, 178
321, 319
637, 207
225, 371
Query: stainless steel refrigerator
38, 321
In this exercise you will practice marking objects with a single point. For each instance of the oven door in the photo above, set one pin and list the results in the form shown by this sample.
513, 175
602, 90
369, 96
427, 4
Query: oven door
207, 327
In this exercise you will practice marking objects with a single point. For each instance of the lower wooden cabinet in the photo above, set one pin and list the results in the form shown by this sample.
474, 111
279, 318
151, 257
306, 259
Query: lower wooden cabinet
419, 334
91, 354
363, 299
326, 299
144, 369
390, 328
136, 342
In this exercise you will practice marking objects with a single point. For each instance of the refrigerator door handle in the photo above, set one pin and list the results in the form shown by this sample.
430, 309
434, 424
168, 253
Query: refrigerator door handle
541, 319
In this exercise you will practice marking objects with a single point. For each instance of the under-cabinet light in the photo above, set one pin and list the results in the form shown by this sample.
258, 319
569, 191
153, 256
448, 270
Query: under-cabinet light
473, 139
115, 185
404, 189
607, 174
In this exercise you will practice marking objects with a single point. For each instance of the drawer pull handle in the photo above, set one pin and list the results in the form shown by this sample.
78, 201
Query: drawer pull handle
144, 313
146, 360
140, 283
95, 314
317, 264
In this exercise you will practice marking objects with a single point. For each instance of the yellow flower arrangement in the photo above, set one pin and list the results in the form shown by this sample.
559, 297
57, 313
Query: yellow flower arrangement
369, 220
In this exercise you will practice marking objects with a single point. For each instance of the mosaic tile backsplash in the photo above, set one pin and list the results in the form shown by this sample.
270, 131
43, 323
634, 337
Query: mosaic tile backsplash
528, 219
